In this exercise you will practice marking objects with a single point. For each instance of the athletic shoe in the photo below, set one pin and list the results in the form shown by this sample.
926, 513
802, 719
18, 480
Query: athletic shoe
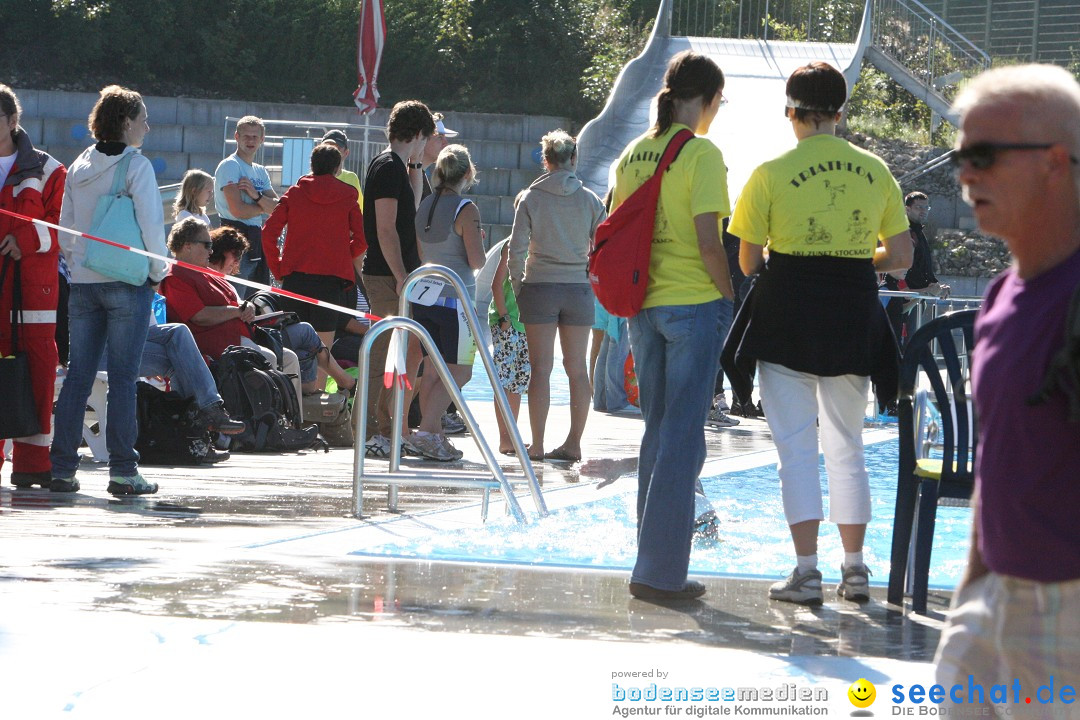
132, 485
216, 419
429, 446
719, 418
215, 456
30, 479
64, 485
855, 585
377, 447
804, 588
452, 423
449, 446
720, 402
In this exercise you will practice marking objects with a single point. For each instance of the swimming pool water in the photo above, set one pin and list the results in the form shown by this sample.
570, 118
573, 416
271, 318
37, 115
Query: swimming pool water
754, 539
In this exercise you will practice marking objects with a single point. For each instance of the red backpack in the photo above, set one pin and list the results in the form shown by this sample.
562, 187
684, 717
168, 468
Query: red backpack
619, 260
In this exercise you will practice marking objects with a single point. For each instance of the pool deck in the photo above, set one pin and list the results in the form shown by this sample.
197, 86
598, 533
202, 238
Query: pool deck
233, 591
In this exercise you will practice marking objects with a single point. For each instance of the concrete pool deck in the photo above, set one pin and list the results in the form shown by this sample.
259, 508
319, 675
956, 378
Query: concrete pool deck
232, 591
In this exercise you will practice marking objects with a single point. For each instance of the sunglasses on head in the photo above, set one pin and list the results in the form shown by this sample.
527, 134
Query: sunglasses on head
983, 155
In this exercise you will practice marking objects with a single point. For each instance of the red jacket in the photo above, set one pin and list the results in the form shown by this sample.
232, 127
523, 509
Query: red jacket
35, 188
325, 229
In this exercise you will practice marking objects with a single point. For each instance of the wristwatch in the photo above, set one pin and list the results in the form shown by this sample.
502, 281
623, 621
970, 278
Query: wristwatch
505, 318
416, 166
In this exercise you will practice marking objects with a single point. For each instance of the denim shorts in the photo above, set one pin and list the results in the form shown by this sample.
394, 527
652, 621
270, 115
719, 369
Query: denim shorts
562, 303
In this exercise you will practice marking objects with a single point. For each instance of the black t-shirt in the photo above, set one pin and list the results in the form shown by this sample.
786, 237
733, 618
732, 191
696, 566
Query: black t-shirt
387, 178
921, 272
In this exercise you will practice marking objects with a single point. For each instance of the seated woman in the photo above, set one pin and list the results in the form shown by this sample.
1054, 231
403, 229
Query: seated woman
209, 306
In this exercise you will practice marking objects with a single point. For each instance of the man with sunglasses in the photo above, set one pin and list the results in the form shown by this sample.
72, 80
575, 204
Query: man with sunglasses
1016, 613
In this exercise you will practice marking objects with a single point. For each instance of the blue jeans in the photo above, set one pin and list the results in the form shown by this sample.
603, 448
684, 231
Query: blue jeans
302, 339
170, 350
609, 382
98, 313
255, 270
676, 356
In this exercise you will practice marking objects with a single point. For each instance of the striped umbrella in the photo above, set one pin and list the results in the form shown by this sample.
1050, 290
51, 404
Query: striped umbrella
370, 37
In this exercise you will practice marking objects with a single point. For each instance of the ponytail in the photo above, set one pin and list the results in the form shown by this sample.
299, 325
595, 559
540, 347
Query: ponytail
665, 112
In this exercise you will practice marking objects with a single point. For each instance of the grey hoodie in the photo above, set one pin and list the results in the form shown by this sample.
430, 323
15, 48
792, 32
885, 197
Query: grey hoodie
90, 177
553, 226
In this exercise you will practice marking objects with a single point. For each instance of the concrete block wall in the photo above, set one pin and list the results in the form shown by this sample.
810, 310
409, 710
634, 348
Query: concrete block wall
189, 133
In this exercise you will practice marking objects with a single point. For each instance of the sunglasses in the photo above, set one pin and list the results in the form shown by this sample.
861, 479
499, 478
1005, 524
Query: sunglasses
208, 244
983, 155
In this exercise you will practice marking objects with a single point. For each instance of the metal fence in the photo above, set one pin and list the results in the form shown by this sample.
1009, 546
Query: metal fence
809, 20
931, 49
288, 144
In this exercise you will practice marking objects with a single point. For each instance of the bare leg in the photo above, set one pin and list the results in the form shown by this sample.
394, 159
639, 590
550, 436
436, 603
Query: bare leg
852, 536
574, 340
805, 535
434, 397
505, 443
541, 341
594, 352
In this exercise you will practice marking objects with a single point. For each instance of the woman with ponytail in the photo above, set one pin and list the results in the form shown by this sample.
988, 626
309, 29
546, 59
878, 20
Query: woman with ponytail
677, 335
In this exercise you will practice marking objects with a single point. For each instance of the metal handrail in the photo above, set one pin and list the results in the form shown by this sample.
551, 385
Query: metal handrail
904, 28
404, 321
927, 167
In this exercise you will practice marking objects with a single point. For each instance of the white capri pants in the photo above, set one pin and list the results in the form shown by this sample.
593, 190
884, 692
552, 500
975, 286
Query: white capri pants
793, 402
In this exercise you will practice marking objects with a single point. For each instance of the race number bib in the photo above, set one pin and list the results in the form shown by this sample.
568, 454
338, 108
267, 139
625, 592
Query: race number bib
426, 291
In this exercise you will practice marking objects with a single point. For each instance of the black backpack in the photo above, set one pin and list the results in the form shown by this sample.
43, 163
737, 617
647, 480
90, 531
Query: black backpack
169, 430
264, 398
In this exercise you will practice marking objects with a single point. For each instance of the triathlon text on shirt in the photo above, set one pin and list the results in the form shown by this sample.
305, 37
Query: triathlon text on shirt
831, 166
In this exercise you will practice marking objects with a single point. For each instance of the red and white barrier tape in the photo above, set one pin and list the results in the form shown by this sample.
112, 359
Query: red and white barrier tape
395, 361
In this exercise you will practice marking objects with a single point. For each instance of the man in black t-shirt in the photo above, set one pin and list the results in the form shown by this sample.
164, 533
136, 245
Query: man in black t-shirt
392, 191
920, 276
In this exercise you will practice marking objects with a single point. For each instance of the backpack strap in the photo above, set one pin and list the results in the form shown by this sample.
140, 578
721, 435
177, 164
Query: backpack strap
119, 182
674, 147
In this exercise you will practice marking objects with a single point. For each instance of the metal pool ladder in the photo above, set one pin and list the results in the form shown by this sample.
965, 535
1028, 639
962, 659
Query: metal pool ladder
496, 480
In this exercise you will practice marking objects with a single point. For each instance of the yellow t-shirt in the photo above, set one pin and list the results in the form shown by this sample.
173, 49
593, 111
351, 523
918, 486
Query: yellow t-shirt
695, 183
825, 197
349, 178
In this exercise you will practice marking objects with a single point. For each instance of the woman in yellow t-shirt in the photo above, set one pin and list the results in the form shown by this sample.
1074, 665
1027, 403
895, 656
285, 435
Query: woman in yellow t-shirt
677, 335
816, 328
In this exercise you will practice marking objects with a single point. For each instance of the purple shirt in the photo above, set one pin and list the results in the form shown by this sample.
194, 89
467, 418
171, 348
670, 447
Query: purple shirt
1027, 471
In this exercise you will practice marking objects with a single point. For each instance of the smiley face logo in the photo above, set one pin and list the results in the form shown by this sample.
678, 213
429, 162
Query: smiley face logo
862, 693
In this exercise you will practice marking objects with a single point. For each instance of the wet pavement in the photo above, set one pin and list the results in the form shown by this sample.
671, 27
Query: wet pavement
215, 549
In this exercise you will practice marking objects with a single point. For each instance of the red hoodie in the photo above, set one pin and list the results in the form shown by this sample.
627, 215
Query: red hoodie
325, 229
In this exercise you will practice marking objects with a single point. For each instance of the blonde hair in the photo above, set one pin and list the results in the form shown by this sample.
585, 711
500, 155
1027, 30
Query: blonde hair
453, 165
193, 183
558, 147
252, 121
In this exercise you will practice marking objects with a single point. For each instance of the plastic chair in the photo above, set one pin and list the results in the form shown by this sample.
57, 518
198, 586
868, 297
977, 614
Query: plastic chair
924, 483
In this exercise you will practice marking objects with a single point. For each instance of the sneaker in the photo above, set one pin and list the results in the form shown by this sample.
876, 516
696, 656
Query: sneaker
692, 589
430, 446
855, 584
719, 418
747, 410
449, 446
217, 419
378, 447
30, 479
133, 485
64, 485
453, 424
804, 589
720, 402
215, 456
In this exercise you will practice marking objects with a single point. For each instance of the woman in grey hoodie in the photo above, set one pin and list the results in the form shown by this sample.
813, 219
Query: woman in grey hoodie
554, 224
103, 310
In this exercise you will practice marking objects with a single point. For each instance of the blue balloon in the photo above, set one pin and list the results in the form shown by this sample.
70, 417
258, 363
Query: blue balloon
159, 165
79, 132
537, 156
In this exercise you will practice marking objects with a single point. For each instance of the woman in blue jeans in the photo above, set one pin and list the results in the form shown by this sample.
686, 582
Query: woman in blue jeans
676, 337
102, 310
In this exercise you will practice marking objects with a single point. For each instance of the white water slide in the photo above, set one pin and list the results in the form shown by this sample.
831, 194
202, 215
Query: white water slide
750, 129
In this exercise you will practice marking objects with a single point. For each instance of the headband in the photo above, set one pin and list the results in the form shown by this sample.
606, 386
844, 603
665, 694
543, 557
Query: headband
799, 105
